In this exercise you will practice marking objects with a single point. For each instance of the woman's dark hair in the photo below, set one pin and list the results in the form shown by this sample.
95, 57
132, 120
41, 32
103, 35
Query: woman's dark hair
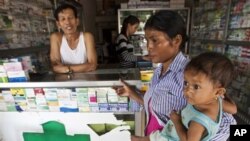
169, 22
62, 7
129, 20
217, 67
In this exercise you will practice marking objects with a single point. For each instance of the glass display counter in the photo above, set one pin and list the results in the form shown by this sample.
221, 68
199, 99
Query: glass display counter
56, 96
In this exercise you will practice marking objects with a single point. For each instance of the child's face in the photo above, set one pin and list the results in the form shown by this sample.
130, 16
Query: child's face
198, 88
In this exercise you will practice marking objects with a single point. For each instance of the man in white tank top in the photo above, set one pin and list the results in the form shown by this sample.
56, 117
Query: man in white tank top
71, 51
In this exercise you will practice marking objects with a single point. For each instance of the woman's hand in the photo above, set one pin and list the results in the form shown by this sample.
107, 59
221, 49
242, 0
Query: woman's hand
127, 90
175, 117
124, 90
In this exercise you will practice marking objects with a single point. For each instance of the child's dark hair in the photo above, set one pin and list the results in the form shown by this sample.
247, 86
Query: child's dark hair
129, 20
216, 66
169, 22
62, 7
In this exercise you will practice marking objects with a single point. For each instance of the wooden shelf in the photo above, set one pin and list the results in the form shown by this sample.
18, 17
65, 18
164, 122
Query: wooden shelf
22, 51
112, 18
237, 43
238, 28
206, 41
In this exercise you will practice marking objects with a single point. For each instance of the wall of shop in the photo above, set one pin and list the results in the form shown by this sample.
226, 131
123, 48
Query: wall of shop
89, 13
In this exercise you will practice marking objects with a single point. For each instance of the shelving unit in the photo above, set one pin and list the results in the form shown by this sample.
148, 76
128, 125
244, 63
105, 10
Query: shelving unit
231, 38
237, 48
209, 24
25, 26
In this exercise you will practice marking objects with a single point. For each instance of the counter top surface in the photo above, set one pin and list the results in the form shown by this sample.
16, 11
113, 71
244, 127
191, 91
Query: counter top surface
100, 77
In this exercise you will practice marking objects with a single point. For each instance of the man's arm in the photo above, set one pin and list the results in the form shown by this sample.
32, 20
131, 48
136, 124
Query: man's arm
55, 57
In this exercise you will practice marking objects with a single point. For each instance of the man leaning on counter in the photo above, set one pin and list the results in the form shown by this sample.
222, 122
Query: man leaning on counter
71, 50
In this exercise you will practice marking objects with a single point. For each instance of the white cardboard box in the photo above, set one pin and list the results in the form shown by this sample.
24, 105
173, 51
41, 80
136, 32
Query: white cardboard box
13, 124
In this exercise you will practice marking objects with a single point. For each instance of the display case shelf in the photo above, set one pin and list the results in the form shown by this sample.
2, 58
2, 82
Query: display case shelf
89, 93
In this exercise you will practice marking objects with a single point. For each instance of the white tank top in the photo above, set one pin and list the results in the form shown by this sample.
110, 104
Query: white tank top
75, 56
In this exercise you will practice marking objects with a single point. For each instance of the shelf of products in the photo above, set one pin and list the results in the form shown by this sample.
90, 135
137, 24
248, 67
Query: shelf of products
63, 99
25, 25
208, 26
238, 50
239, 22
231, 37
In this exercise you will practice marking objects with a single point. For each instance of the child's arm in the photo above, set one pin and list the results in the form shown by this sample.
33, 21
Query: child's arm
194, 132
229, 105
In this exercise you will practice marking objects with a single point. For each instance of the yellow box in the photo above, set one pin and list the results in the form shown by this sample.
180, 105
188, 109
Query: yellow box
146, 75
